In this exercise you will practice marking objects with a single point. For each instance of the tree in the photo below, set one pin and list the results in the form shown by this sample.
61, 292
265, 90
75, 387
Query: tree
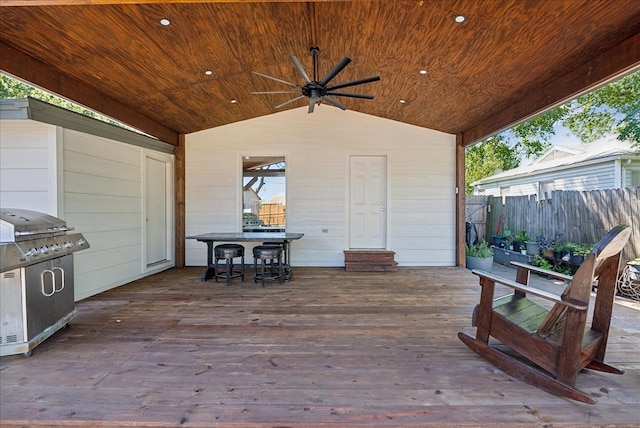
611, 109
11, 88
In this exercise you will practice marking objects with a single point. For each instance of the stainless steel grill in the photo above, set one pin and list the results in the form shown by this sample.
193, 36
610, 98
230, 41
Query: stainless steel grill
36, 278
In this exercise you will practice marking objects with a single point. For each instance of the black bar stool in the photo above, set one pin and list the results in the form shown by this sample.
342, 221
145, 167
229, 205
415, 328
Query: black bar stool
228, 252
270, 257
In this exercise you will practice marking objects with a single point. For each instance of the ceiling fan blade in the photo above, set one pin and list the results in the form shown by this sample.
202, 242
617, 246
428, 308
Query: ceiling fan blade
295, 62
335, 70
276, 79
349, 94
312, 104
275, 92
334, 102
290, 101
354, 82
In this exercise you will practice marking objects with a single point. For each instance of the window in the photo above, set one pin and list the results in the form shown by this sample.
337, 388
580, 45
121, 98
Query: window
635, 177
263, 193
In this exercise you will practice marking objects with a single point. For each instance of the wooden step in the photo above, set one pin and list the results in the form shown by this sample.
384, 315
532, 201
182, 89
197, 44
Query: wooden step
370, 261
369, 267
368, 255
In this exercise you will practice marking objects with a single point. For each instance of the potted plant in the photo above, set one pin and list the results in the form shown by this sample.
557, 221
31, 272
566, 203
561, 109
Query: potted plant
579, 252
479, 256
519, 241
534, 245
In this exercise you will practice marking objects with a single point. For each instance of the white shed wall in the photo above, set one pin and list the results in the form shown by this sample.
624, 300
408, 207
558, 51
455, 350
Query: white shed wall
94, 183
317, 147
28, 166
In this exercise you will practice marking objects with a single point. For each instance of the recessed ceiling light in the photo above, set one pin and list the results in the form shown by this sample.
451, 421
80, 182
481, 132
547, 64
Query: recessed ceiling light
460, 19
165, 22
423, 72
403, 101
208, 72
233, 101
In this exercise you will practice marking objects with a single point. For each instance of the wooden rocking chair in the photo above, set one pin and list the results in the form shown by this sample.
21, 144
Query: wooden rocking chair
557, 341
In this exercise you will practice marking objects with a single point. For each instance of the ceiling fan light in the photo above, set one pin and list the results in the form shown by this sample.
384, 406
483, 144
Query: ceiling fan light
208, 72
165, 22
459, 18
423, 72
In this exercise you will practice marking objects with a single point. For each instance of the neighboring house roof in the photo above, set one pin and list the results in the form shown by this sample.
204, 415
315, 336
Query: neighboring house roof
561, 157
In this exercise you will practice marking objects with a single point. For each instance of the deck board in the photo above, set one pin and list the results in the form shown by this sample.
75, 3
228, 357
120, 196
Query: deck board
328, 348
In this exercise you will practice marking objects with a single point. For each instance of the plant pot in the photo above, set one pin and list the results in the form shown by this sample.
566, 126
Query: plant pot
498, 241
576, 260
517, 246
533, 248
481, 263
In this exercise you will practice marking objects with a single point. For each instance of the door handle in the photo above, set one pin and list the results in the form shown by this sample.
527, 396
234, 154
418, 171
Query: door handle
43, 281
61, 280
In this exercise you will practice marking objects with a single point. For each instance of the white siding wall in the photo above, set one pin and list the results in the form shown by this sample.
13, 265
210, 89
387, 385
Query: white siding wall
317, 147
586, 177
28, 166
99, 182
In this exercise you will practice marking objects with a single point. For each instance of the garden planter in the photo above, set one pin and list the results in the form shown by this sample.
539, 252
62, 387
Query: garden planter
502, 256
498, 241
576, 260
481, 263
533, 248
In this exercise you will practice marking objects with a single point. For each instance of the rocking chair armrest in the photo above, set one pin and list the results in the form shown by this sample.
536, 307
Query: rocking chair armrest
542, 271
555, 298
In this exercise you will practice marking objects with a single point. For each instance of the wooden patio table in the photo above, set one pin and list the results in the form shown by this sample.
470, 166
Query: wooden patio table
283, 238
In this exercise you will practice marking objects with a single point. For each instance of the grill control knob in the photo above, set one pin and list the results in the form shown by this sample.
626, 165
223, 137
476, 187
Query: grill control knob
31, 252
44, 249
80, 242
55, 247
67, 244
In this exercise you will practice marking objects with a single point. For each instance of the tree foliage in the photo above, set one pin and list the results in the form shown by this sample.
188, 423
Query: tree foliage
611, 109
11, 88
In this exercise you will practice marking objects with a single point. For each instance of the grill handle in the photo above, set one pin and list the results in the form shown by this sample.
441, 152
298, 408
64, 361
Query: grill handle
53, 282
39, 232
61, 279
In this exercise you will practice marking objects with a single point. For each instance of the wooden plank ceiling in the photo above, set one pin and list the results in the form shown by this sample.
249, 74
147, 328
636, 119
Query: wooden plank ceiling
508, 60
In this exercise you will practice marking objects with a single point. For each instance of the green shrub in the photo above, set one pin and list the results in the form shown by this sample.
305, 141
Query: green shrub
480, 250
542, 263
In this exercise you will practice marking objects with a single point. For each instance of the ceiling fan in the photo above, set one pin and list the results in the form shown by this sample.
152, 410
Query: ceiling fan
319, 90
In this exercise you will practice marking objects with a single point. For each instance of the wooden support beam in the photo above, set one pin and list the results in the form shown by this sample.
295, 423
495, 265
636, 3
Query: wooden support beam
180, 203
21, 65
461, 203
614, 62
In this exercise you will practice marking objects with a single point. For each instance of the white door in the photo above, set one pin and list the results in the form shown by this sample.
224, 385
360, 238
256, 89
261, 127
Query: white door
368, 202
156, 211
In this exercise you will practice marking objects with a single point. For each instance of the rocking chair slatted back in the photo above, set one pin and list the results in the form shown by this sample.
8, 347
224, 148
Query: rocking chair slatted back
579, 289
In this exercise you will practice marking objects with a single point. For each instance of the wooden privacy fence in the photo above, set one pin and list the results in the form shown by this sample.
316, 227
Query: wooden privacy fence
272, 214
582, 217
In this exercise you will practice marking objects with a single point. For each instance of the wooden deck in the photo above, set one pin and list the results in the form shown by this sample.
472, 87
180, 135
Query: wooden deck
329, 348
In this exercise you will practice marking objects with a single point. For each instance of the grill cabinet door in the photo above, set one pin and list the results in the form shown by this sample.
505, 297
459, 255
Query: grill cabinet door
49, 293
39, 297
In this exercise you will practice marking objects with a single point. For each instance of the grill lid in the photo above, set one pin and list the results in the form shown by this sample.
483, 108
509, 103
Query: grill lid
18, 224
29, 237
